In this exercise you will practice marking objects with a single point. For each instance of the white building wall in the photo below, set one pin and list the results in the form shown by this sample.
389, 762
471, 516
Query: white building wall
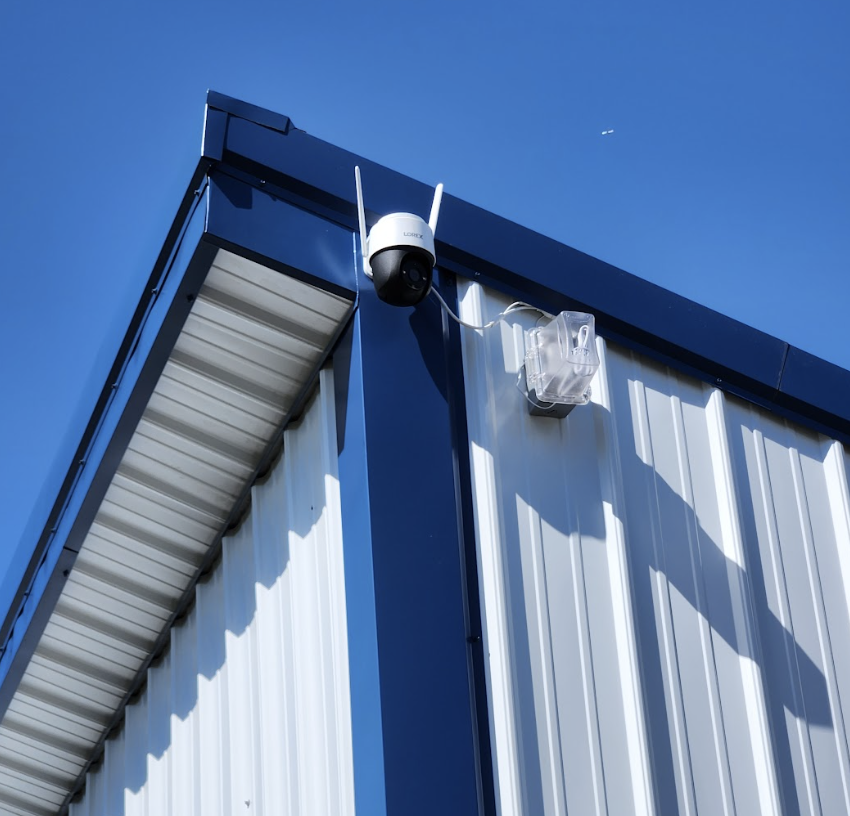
664, 581
248, 712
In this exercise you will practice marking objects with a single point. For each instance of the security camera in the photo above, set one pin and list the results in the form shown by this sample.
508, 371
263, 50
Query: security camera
398, 254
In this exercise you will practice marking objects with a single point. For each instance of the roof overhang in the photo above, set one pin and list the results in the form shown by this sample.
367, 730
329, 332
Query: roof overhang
229, 338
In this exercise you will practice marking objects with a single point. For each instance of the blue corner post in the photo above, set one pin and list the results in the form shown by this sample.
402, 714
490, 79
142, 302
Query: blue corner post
413, 719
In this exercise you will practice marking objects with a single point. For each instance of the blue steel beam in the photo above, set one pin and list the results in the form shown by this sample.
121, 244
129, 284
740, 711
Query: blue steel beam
413, 721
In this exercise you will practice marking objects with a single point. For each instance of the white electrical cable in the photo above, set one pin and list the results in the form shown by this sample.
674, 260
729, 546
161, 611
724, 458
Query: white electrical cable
517, 306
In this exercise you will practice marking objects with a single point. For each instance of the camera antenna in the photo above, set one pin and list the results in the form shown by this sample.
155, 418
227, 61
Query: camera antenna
435, 208
361, 217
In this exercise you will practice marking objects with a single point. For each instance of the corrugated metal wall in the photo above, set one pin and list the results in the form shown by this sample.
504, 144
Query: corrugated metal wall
248, 347
248, 712
665, 581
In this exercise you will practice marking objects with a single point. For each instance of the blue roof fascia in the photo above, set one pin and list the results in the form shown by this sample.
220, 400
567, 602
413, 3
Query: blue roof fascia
813, 386
483, 246
219, 210
253, 222
66, 469
237, 217
154, 336
244, 110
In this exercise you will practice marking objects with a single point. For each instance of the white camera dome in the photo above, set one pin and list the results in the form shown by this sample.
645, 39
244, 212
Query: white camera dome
400, 230
398, 253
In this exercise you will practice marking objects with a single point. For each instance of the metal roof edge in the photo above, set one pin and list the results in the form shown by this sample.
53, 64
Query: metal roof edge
65, 474
43, 523
473, 242
245, 110
817, 386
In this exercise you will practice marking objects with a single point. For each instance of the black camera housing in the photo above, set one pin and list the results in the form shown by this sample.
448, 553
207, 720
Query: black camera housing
402, 275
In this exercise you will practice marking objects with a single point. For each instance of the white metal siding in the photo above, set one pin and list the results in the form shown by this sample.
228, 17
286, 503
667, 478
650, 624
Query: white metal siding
248, 712
248, 346
665, 583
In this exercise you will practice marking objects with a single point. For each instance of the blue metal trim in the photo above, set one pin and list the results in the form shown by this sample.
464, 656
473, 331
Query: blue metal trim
215, 128
244, 110
646, 315
363, 666
403, 567
66, 471
513, 259
813, 384
152, 343
280, 235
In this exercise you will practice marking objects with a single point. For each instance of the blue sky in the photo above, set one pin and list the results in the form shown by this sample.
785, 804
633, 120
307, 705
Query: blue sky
726, 179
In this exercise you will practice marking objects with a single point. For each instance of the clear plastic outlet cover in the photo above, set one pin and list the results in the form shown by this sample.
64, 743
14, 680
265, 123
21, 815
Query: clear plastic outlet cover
561, 359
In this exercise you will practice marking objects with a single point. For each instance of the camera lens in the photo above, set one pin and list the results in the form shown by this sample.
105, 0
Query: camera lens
413, 272
402, 275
